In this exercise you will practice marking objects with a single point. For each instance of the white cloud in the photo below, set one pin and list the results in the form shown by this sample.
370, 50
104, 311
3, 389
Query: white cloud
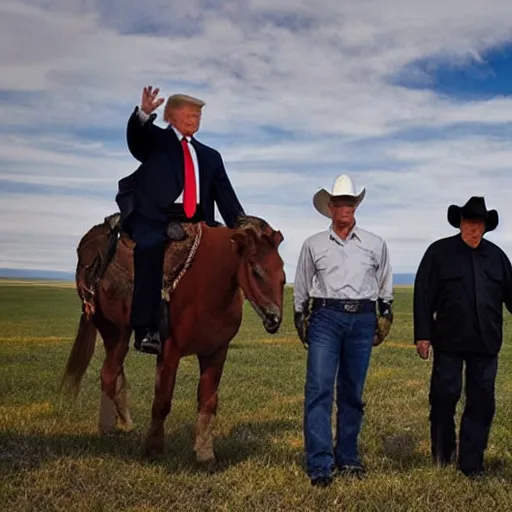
297, 92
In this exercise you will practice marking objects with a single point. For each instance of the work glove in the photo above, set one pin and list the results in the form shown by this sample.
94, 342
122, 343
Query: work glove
384, 321
300, 319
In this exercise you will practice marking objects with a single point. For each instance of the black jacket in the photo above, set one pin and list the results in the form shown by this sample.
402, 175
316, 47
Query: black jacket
158, 181
459, 294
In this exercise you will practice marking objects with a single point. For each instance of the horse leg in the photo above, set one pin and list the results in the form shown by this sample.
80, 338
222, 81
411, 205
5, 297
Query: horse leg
121, 401
211, 372
167, 367
113, 401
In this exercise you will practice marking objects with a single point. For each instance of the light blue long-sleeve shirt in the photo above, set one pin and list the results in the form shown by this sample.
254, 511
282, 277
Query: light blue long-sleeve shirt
333, 268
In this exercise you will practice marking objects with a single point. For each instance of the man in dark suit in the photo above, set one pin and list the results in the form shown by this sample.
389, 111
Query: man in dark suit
179, 179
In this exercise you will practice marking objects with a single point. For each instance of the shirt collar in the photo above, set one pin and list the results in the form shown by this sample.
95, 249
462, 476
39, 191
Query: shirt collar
468, 247
354, 233
179, 134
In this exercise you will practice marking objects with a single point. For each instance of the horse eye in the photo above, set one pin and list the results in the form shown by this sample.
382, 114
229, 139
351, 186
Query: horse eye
257, 273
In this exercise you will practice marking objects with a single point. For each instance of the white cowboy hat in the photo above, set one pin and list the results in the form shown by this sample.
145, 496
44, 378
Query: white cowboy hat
343, 186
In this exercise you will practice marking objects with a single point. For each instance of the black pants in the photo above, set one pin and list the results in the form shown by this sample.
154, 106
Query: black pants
150, 239
445, 391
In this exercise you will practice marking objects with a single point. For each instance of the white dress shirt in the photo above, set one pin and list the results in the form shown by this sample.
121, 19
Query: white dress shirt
143, 117
332, 268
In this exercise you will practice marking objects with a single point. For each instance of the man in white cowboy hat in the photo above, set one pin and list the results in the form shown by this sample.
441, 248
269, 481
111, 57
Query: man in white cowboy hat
343, 275
460, 287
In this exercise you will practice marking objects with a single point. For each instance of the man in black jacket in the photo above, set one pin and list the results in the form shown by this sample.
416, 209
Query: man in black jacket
179, 179
460, 288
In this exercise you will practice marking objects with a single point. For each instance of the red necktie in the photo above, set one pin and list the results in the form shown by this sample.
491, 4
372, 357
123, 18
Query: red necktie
189, 189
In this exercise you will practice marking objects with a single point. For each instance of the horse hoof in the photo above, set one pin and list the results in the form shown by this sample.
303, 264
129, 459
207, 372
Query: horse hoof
207, 466
153, 449
205, 456
125, 423
107, 431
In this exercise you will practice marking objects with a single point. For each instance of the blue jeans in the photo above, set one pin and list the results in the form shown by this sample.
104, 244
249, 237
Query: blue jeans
339, 343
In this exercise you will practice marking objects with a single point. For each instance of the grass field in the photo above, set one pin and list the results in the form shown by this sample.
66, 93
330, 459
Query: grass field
52, 459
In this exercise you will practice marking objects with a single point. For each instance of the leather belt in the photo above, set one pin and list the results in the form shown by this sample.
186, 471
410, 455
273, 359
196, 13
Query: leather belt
346, 305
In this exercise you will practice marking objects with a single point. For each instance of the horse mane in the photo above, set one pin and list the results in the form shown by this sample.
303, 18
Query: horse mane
261, 228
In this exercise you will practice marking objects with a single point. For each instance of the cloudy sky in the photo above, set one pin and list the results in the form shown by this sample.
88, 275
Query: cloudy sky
412, 99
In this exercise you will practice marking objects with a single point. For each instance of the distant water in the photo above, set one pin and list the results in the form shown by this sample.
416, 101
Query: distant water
402, 279
398, 279
21, 273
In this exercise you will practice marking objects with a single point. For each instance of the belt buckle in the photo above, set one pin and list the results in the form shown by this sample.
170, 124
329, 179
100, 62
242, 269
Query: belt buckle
351, 307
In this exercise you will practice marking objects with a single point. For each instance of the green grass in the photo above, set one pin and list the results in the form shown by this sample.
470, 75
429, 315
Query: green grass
52, 459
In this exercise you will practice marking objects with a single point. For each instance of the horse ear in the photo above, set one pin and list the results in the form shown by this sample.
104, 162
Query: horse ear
240, 239
277, 238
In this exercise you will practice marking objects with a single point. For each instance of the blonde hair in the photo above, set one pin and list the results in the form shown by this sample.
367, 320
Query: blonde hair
179, 100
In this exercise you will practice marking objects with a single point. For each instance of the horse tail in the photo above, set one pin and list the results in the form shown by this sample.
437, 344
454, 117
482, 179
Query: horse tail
80, 355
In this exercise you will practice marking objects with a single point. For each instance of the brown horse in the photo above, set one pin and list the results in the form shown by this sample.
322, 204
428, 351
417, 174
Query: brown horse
205, 309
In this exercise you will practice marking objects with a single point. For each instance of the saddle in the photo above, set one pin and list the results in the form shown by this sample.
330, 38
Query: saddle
105, 258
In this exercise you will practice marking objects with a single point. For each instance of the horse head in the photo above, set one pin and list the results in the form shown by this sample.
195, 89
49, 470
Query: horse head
261, 275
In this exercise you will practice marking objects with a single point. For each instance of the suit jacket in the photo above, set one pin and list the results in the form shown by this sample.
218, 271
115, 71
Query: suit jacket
158, 181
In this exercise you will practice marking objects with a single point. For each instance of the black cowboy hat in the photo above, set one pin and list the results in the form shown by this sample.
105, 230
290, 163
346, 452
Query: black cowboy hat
474, 209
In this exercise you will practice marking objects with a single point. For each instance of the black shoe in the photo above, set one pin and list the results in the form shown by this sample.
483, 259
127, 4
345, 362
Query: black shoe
148, 343
473, 473
321, 477
321, 481
356, 470
442, 462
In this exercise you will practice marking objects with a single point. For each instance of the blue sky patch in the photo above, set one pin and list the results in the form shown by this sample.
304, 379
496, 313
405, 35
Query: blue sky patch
468, 80
80, 190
